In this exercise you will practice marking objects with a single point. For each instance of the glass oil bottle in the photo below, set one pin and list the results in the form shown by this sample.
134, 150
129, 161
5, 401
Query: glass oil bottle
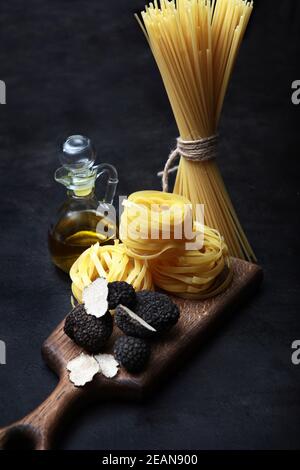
82, 220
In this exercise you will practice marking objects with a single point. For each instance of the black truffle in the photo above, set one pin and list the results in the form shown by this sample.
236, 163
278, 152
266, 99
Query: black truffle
87, 331
131, 324
156, 309
132, 353
120, 293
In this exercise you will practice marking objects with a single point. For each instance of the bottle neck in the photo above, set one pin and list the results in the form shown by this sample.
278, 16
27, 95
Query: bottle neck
88, 193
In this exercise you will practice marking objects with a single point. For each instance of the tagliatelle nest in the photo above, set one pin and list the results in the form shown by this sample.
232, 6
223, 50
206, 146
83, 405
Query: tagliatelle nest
195, 268
195, 274
112, 263
153, 222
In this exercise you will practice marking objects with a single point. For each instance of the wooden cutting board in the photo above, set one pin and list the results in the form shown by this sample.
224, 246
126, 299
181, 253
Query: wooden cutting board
37, 430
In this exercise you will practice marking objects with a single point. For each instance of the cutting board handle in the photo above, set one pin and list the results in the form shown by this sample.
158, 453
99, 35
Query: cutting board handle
36, 430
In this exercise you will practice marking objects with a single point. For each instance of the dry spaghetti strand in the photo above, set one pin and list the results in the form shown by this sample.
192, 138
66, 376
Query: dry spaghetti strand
195, 44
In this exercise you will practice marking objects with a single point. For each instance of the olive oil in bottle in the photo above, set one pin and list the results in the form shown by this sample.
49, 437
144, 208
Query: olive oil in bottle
82, 220
76, 233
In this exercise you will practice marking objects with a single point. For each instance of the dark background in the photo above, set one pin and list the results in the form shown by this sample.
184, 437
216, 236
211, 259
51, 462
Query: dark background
84, 67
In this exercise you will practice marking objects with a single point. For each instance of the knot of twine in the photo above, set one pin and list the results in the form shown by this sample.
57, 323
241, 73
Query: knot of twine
201, 150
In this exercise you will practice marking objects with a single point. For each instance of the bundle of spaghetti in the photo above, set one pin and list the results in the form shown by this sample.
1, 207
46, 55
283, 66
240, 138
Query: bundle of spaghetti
195, 44
112, 263
152, 223
194, 266
195, 274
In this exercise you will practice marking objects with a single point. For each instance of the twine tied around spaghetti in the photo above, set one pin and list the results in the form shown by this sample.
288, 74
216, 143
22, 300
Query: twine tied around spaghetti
201, 150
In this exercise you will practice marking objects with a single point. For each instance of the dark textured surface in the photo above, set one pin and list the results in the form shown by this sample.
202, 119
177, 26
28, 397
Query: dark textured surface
84, 67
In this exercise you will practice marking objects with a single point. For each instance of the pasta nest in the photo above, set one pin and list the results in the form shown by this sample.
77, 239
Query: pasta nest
112, 263
195, 274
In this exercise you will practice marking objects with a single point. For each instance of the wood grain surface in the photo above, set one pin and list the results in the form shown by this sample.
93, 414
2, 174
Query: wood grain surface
37, 430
